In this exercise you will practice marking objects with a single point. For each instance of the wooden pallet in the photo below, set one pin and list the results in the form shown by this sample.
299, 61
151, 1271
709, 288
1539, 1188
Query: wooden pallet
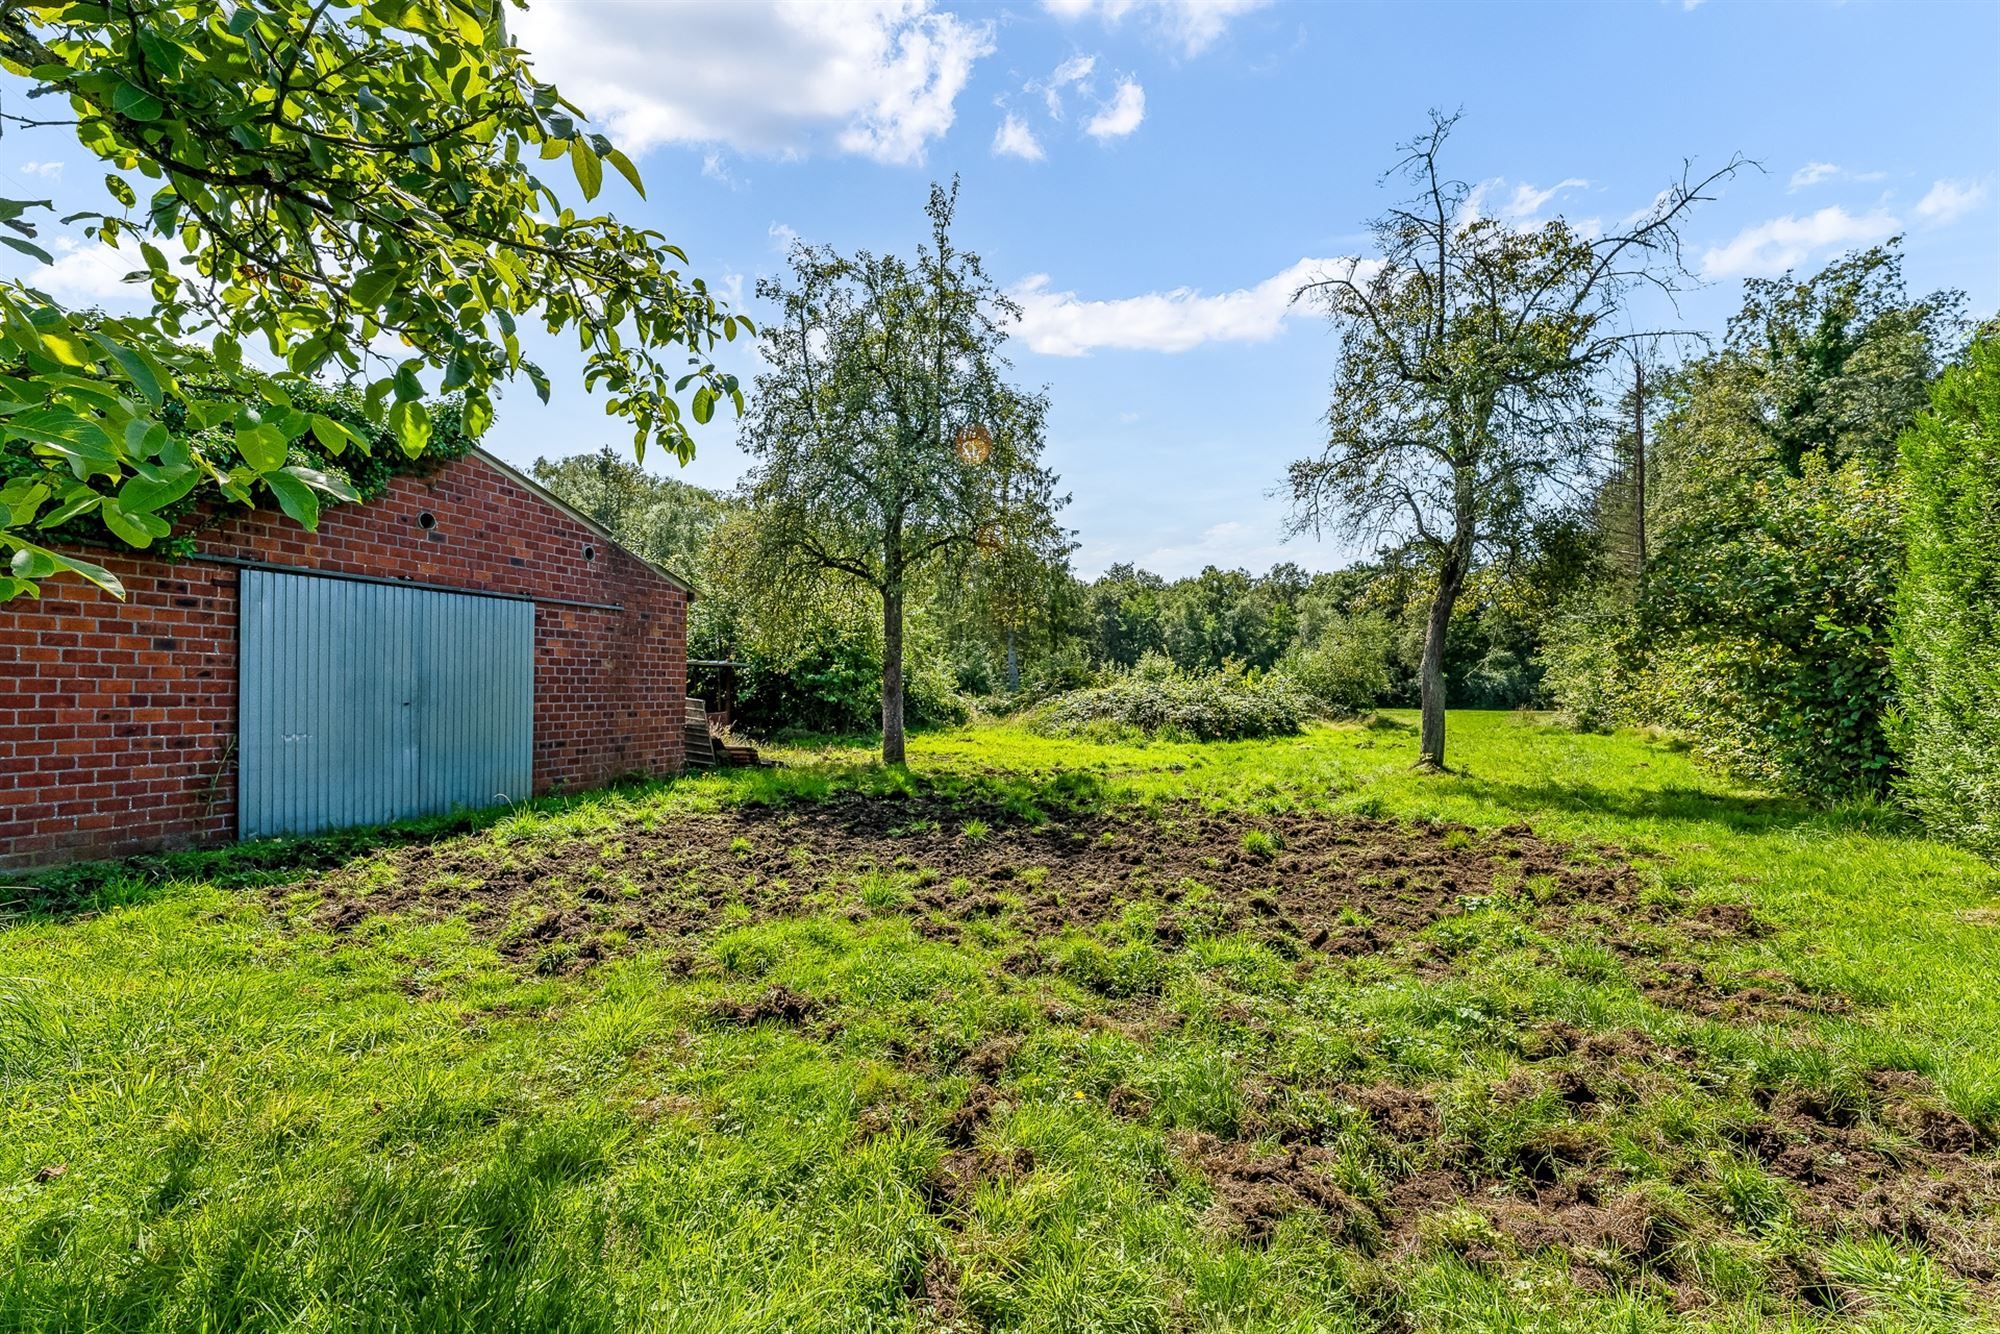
706, 751
699, 741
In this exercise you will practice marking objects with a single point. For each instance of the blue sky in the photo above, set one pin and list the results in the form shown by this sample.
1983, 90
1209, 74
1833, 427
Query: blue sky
1149, 176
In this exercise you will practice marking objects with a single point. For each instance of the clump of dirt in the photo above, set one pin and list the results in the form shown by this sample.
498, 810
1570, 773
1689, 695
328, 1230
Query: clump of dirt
961, 1172
1897, 1161
962, 1126
779, 1003
1325, 886
1255, 1191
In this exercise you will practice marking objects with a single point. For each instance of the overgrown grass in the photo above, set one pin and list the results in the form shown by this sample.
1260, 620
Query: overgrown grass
214, 1113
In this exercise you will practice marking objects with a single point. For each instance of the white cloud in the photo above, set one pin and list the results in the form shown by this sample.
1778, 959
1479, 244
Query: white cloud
1818, 173
1121, 115
716, 168
1063, 324
1782, 243
1015, 139
1231, 545
90, 273
782, 235
52, 170
766, 76
1074, 70
1948, 201
1191, 25
1517, 207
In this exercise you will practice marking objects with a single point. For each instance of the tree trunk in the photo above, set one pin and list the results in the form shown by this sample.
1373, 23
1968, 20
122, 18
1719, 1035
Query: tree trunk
1430, 677
1013, 662
892, 676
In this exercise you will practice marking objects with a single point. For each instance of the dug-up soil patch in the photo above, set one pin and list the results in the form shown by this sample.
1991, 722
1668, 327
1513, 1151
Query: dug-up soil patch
1897, 1161
1314, 887
1332, 886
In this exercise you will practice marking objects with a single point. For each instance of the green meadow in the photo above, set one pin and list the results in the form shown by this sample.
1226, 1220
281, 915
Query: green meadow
1032, 1035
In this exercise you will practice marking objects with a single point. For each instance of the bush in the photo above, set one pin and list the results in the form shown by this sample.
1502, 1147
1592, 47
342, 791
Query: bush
1773, 606
1346, 671
831, 685
1947, 633
1583, 659
931, 697
1166, 702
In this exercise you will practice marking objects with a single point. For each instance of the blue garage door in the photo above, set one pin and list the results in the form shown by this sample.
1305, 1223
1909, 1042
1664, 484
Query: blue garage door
362, 702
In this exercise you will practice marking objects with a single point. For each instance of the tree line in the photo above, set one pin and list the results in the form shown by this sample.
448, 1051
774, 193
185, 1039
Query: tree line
1781, 545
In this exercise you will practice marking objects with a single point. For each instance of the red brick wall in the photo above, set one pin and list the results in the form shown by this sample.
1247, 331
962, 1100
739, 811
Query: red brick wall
117, 719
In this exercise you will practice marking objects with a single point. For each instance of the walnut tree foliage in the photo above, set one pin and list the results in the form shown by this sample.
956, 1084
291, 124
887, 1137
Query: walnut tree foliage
888, 442
1466, 398
320, 181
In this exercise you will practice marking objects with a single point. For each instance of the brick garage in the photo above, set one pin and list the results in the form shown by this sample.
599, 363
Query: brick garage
118, 719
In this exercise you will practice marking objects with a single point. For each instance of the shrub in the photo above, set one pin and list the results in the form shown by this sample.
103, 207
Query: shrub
1346, 670
1583, 659
1947, 633
930, 695
1166, 702
1773, 606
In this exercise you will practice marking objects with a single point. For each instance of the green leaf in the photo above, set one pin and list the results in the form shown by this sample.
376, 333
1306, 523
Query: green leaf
335, 436
589, 171
137, 369
139, 496
144, 439
704, 404
408, 386
96, 574
134, 529
262, 446
121, 190
59, 428
295, 498
64, 343
135, 103
80, 500
27, 248
371, 286
412, 426
32, 563
337, 487
627, 170
477, 416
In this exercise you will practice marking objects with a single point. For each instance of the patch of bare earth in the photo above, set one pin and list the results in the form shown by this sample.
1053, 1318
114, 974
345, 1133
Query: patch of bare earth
1898, 1162
1319, 889
1330, 886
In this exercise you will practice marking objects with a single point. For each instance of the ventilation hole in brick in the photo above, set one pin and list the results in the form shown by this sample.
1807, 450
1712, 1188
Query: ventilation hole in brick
427, 521
590, 553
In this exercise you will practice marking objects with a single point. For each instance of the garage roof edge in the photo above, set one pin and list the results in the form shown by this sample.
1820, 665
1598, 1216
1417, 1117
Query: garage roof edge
535, 488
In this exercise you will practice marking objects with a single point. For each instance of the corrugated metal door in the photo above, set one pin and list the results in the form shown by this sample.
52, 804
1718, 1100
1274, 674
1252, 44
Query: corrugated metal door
362, 703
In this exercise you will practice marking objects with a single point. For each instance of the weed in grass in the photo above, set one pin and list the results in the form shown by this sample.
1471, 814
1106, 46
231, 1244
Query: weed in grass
1260, 843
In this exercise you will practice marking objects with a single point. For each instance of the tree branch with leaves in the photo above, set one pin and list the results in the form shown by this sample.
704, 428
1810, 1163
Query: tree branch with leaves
328, 182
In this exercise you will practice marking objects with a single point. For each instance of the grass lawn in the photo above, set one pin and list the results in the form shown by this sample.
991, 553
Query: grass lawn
1037, 1035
